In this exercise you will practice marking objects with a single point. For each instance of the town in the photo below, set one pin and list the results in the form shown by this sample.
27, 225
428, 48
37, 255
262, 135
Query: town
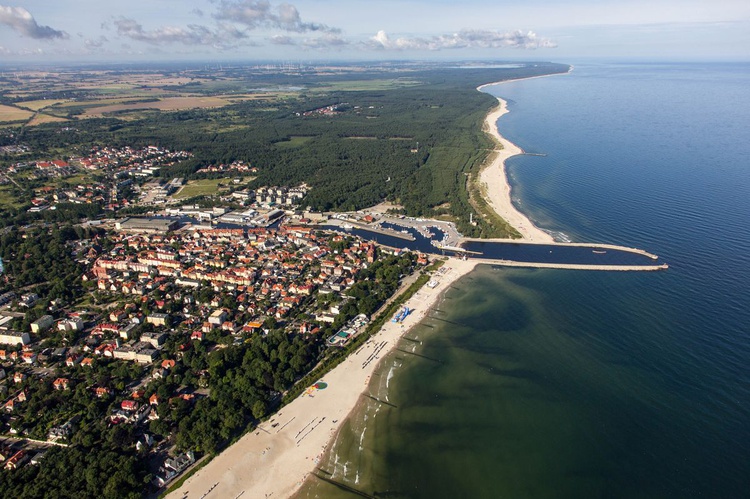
178, 333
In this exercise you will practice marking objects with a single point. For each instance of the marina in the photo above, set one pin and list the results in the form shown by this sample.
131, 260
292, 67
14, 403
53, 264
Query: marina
425, 237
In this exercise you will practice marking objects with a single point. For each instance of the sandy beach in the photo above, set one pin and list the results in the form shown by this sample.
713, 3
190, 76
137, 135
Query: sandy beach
495, 180
274, 460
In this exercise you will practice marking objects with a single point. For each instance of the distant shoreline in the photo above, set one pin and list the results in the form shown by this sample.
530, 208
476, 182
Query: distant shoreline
494, 176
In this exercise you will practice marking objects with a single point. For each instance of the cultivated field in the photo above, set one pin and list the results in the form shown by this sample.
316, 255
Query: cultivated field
45, 118
36, 105
168, 104
10, 113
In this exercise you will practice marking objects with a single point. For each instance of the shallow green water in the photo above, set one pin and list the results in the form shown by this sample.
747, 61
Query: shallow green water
491, 415
515, 394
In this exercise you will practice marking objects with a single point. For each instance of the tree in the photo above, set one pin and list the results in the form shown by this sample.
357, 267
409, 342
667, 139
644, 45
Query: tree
259, 409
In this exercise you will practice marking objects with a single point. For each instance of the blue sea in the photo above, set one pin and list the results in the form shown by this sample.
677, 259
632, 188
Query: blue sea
553, 383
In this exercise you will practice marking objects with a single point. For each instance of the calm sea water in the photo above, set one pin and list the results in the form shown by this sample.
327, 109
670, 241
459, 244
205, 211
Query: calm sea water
544, 383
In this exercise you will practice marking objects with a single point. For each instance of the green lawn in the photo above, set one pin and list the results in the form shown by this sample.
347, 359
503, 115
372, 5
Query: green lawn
8, 200
200, 187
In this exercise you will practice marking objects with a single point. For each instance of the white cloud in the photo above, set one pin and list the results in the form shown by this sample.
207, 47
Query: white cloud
194, 34
22, 52
21, 20
95, 43
328, 40
463, 39
282, 40
260, 13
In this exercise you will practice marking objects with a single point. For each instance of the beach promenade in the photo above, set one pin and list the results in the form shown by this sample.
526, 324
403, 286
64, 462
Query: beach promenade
273, 460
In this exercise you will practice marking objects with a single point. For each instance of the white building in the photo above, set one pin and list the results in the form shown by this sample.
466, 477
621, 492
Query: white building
14, 338
42, 324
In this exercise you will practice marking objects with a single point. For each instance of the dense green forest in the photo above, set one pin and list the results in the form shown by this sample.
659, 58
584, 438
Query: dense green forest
425, 136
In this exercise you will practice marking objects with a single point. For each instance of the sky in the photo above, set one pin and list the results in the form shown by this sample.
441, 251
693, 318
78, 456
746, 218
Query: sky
354, 30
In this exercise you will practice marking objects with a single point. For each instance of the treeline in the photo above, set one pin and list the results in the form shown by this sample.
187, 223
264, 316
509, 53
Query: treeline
99, 471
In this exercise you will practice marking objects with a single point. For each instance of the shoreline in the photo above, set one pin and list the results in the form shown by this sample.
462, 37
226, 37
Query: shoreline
276, 458
494, 176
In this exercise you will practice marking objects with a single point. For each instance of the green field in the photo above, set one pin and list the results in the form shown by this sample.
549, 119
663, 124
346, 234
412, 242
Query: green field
7, 199
292, 142
202, 187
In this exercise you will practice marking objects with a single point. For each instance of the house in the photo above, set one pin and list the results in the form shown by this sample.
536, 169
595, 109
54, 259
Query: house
197, 335
102, 392
28, 300
73, 360
168, 364
38, 457
63, 431
29, 357
181, 462
153, 399
251, 326
117, 315
129, 405
61, 384
17, 460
